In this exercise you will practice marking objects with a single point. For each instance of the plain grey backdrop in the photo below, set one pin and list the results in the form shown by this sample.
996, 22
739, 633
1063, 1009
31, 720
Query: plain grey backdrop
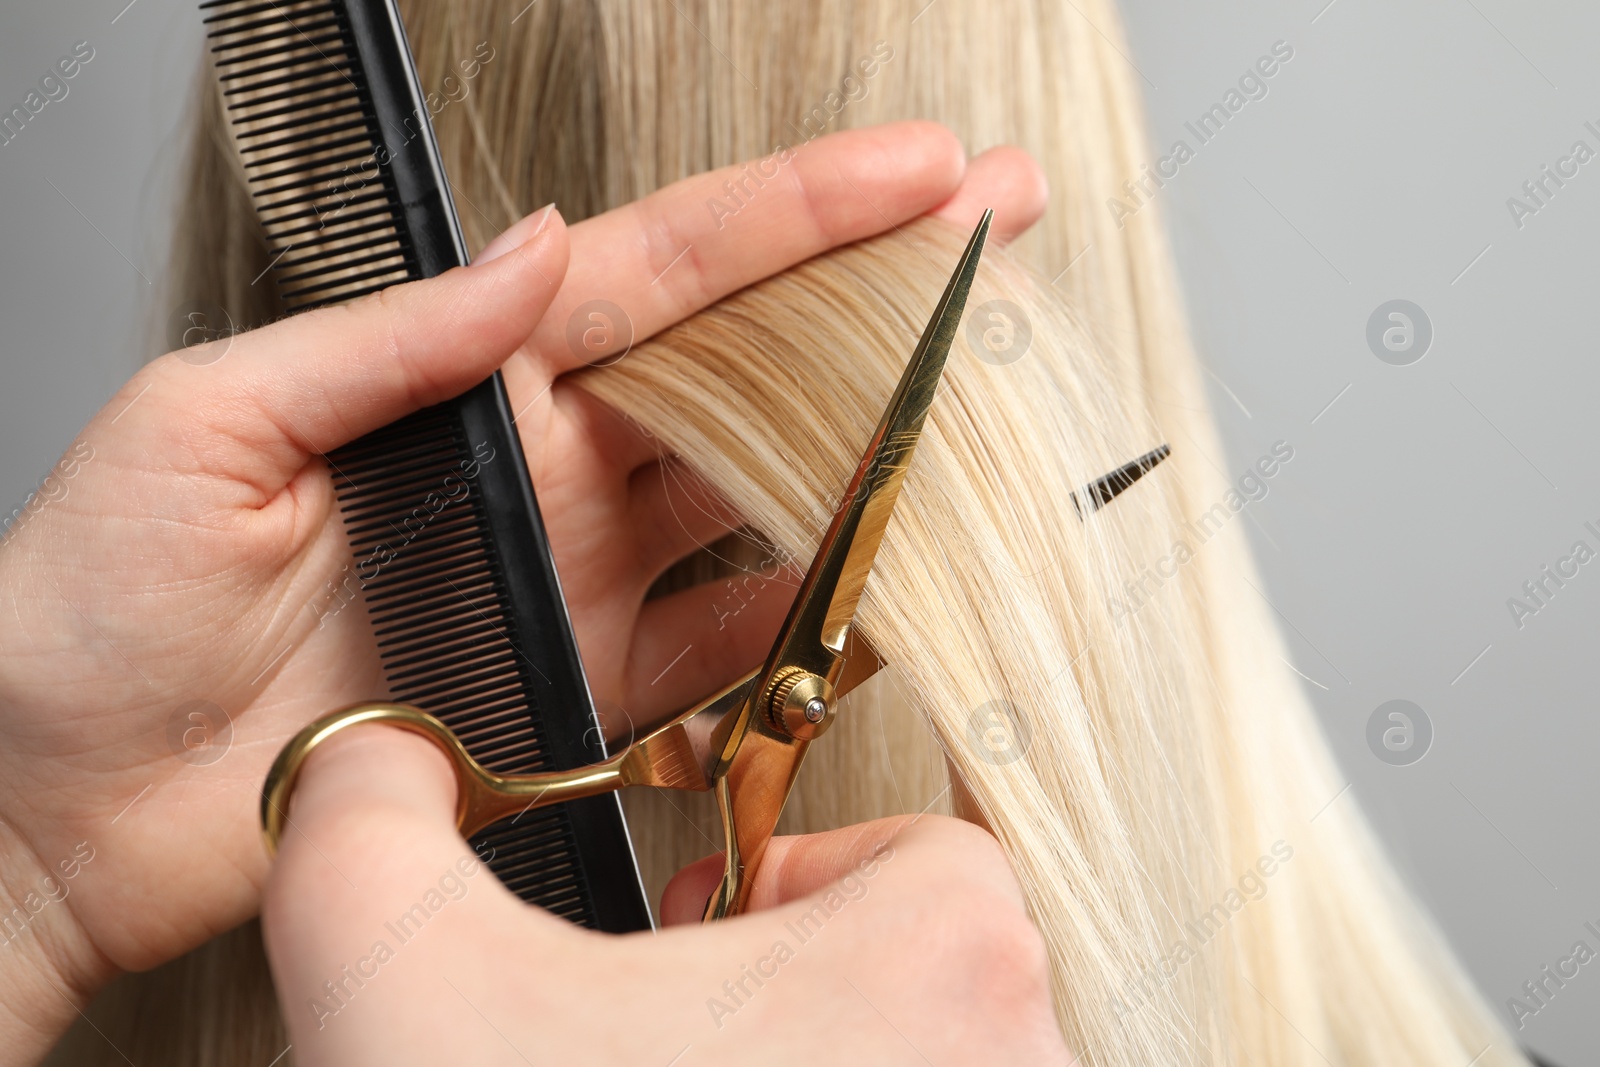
1377, 166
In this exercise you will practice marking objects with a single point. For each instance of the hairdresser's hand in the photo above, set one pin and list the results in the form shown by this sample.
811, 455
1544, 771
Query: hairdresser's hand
898, 942
184, 563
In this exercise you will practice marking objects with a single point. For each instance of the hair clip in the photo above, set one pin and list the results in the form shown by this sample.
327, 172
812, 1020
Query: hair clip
1104, 489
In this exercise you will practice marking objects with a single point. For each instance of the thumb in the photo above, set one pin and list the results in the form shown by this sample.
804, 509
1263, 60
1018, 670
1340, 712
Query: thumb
265, 401
372, 887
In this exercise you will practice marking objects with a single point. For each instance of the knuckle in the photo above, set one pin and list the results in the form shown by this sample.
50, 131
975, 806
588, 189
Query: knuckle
1014, 952
983, 951
969, 850
1008, 968
979, 913
389, 306
672, 255
991, 933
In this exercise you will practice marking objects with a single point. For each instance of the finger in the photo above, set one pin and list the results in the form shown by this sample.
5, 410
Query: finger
695, 641
800, 865
793, 866
675, 511
357, 795
371, 840
316, 381
662, 258
1004, 178
516, 235
587, 426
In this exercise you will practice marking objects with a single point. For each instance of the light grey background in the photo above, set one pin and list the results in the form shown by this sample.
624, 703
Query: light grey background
1420, 498
1378, 167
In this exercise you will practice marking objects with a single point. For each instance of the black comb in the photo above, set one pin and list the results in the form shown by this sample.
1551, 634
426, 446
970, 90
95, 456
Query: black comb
1104, 489
452, 555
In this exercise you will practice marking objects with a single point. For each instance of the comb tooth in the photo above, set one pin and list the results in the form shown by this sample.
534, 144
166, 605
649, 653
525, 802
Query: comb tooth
302, 93
326, 291
332, 232
229, 22
428, 599
315, 37
284, 38
1104, 489
432, 622
303, 99
311, 60
306, 198
315, 54
343, 133
432, 605
278, 30
273, 83
327, 247
496, 732
495, 721
326, 298
354, 178
468, 686
347, 218
338, 172
312, 163
320, 238
353, 261
326, 275
434, 685
355, 122
461, 570
244, 11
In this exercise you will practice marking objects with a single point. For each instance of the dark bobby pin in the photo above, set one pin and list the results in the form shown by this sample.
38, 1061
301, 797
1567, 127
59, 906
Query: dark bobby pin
1104, 489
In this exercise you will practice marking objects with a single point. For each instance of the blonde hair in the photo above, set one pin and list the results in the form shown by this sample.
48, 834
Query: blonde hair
1150, 771
1149, 763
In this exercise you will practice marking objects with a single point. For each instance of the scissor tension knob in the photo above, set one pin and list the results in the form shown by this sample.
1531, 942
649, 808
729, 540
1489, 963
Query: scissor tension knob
800, 704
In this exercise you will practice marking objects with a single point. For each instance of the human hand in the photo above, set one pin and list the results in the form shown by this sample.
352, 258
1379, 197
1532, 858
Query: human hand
903, 941
190, 557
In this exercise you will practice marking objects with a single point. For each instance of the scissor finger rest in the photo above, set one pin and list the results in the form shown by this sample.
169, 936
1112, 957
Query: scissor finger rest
482, 797
674, 755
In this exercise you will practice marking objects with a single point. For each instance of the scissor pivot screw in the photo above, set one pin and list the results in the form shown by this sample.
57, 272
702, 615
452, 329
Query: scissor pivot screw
801, 704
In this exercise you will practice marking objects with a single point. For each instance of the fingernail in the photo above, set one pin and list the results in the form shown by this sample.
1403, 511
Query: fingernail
516, 235
544, 214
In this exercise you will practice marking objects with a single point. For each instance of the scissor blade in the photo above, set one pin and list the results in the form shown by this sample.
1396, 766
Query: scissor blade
758, 751
851, 544
813, 635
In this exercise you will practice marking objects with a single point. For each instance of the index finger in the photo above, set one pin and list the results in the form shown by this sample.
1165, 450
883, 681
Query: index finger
797, 866
683, 247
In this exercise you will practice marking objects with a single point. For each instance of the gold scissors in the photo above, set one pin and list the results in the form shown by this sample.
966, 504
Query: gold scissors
748, 741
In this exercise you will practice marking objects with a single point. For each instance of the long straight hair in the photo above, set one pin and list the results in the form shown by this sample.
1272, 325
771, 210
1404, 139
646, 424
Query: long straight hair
1106, 692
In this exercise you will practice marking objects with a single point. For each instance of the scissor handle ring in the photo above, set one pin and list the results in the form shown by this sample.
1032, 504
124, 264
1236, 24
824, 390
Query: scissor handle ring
285, 772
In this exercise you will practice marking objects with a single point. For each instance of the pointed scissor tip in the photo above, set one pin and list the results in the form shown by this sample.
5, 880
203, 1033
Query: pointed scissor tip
981, 234
1103, 490
967, 268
